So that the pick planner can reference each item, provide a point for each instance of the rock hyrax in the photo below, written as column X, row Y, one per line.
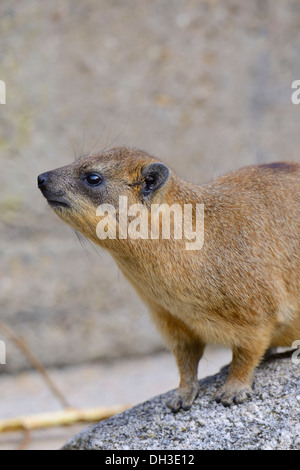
column 240, row 289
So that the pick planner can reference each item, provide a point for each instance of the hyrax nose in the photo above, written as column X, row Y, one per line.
column 42, row 179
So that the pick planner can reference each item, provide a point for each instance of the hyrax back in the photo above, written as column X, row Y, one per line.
column 241, row 288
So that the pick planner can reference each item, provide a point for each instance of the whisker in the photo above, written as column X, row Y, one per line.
column 73, row 147
column 84, row 239
column 95, row 141
column 107, row 139
column 81, row 240
column 82, row 145
column 116, row 138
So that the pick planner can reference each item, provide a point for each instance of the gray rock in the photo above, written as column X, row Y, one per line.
column 270, row 420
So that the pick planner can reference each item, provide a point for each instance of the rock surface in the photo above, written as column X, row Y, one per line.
column 270, row 420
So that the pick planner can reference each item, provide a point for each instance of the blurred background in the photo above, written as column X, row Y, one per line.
column 205, row 85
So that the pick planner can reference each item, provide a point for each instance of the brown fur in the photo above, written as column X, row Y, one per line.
column 242, row 289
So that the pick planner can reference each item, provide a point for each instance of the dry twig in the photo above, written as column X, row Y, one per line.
column 59, row 418
column 35, row 363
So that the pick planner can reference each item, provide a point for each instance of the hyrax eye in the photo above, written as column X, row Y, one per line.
column 93, row 179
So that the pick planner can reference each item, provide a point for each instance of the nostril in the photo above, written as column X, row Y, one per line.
column 42, row 179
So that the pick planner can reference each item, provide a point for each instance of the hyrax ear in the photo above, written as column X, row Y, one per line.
column 154, row 175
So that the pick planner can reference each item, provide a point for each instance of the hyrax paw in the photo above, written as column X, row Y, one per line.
column 229, row 395
column 183, row 399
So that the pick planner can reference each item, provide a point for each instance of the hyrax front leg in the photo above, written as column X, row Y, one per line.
column 187, row 349
column 244, row 360
column 187, row 354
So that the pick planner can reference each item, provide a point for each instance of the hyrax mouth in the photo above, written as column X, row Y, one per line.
column 54, row 198
column 57, row 203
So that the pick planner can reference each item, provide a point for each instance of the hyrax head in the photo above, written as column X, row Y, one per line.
column 75, row 191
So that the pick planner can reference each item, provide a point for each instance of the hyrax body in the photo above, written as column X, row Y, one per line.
column 241, row 289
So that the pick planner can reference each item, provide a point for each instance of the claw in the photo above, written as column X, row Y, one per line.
column 227, row 396
column 183, row 398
